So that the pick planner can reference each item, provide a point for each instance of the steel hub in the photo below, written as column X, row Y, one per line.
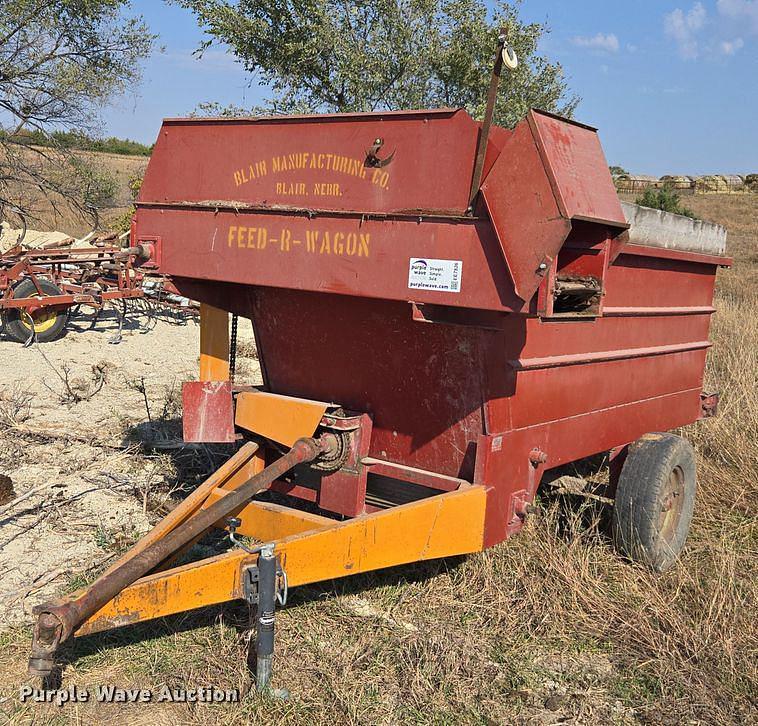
column 673, row 504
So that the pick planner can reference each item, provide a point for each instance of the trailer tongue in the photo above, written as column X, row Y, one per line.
column 434, row 358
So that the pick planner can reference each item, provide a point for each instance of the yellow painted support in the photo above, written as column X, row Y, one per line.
column 210, row 582
column 214, row 344
column 284, row 419
column 266, row 522
column 440, row 526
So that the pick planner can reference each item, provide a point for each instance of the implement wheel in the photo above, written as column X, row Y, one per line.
column 49, row 322
column 655, row 499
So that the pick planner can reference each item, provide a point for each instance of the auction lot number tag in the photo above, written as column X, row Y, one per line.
column 441, row 275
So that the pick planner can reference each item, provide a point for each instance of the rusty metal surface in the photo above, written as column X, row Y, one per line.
column 89, row 276
column 709, row 404
column 672, row 506
column 85, row 277
column 208, row 412
column 484, row 134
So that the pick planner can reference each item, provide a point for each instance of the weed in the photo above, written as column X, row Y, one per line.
column 665, row 199
column 15, row 406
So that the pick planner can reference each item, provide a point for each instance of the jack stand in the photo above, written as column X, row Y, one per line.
column 267, row 575
column 264, row 641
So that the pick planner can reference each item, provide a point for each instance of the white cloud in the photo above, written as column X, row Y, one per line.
column 683, row 28
column 609, row 43
column 730, row 47
column 743, row 11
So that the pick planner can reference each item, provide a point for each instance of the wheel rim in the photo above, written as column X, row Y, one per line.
column 672, row 505
column 43, row 319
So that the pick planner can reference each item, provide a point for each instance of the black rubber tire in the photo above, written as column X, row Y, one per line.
column 14, row 323
column 655, row 499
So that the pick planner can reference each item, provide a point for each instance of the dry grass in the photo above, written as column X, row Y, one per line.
column 550, row 627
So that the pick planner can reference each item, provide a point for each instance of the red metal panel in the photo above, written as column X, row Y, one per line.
column 642, row 281
column 614, row 360
column 317, row 162
column 503, row 463
column 608, row 335
column 578, row 169
column 427, row 384
column 551, row 171
column 524, row 212
column 208, row 412
column 344, row 491
column 683, row 255
column 329, row 290
column 345, row 255
column 420, row 382
column 546, row 394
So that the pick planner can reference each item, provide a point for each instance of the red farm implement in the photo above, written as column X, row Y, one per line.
column 446, row 313
column 38, row 288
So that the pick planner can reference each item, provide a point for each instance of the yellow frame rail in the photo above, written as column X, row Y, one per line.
column 311, row 548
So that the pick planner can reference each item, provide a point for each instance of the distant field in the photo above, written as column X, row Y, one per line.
column 122, row 169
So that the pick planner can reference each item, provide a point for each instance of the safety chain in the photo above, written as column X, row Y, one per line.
column 233, row 348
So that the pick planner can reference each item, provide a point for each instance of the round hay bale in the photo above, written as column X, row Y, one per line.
column 712, row 183
column 677, row 181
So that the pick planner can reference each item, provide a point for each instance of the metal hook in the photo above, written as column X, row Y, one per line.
column 372, row 160
column 233, row 523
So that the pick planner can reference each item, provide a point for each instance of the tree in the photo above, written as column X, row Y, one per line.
column 61, row 61
column 336, row 55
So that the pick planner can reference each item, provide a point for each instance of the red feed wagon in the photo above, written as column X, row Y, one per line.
column 431, row 349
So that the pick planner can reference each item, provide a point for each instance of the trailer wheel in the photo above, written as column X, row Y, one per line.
column 48, row 322
column 655, row 498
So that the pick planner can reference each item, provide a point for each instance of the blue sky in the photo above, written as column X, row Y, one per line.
column 672, row 85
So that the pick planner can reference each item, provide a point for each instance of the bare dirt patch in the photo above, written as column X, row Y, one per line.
column 72, row 413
